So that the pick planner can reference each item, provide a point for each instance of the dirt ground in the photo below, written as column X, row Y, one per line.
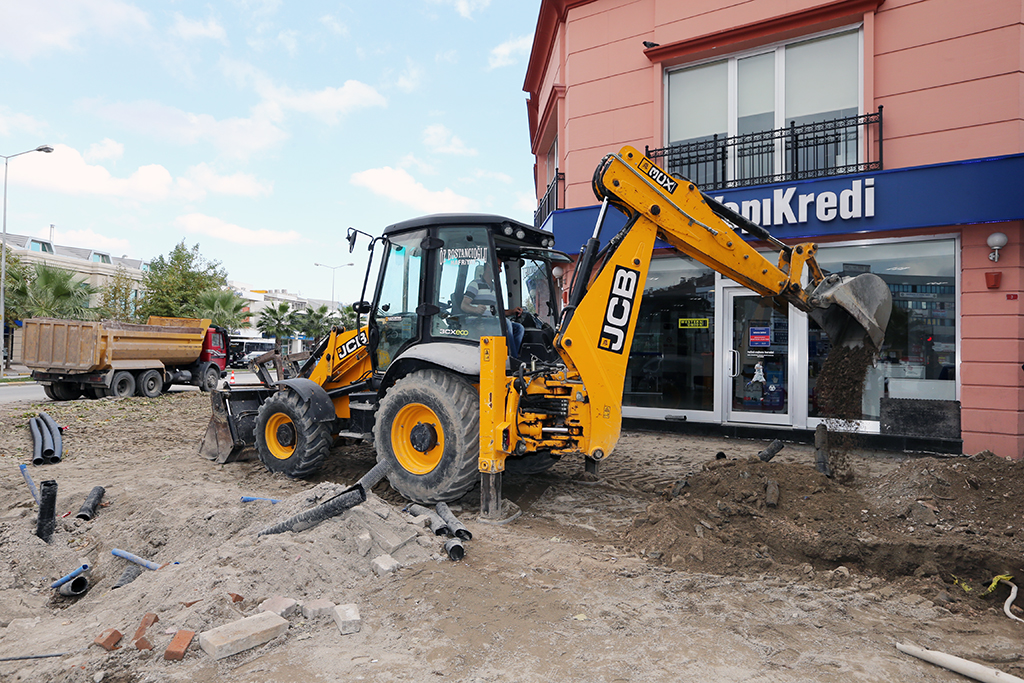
column 671, row 566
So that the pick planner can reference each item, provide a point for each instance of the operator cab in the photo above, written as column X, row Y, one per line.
column 437, row 284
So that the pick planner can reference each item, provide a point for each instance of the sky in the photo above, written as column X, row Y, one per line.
column 259, row 129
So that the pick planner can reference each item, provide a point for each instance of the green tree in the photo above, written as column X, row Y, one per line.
column 347, row 318
column 173, row 284
column 119, row 297
column 223, row 307
column 315, row 322
column 17, row 273
column 278, row 321
column 51, row 292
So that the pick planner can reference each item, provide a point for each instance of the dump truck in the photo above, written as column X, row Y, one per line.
column 430, row 381
column 72, row 358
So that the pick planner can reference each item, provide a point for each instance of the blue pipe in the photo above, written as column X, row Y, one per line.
column 249, row 499
column 135, row 558
column 64, row 579
column 31, row 484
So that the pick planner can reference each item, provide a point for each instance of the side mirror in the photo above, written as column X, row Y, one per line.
column 352, row 234
column 361, row 307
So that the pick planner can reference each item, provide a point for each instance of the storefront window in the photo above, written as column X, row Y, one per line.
column 671, row 364
column 918, row 357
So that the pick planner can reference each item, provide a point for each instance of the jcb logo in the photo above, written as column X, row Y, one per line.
column 352, row 345
column 657, row 175
column 620, row 307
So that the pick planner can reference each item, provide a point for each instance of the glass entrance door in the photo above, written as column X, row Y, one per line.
column 757, row 369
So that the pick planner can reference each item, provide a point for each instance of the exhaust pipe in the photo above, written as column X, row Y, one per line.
column 46, row 524
column 55, row 436
column 88, row 509
column 31, row 484
column 454, row 525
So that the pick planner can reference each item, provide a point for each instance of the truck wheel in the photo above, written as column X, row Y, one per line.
column 288, row 440
column 66, row 391
column 210, row 377
column 123, row 384
column 531, row 463
column 151, row 384
column 428, row 428
column 48, row 390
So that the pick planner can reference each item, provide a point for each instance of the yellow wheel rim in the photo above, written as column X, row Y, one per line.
column 276, row 448
column 409, row 456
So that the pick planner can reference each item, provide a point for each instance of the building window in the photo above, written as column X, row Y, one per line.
column 43, row 247
column 918, row 357
column 100, row 258
column 804, row 82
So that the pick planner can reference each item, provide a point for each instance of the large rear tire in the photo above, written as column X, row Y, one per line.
column 48, row 390
column 428, row 429
column 288, row 440
column 122, row 384
column 151, row 384
column 66, row 391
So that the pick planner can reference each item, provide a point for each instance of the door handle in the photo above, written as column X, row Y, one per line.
column 734, row 364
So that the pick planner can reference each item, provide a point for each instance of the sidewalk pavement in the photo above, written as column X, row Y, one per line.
column 18, row 371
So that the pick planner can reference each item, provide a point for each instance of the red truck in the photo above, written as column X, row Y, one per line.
column 71, row 358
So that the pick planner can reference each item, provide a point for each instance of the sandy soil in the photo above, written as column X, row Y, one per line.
column 635, row 577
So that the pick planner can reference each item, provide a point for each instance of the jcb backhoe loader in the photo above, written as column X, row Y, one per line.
column 429, row 379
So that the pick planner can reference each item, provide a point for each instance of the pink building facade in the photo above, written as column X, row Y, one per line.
column 889, row 132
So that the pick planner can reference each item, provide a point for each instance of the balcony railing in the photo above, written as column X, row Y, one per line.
column 553, row 199
column 798, row 152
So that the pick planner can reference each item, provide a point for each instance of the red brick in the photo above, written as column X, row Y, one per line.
column 109, row 639
column 139, row 639
column 235, row 597
column 179, row 643
column 142, row 643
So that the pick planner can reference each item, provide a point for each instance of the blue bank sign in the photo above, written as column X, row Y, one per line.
column 959, row 193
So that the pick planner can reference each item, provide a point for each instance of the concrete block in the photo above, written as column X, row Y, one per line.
column 318, row 608
column 377, row 506
column 420, row 520
column 280, row 605
column 363, row 543
column 242, row 635
column 347, row 619
column 384, row 565
column 387, row 537
column 179, row 643
column 109, row 639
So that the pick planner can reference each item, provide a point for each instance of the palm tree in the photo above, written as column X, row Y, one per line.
column 51, row 292
column 223, row 307
column 315, row 322
column 278, row 321
column 348, row 318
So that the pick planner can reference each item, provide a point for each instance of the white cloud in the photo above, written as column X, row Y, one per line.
column 466, row 8
column 526, row 202
column 87, row 239
column 334, row 26
column 441, row 140
column 10, row 122
column 508, row 52
column 197, row 223
column 449, row 56
column 30, row 28
column 200, row 179
column 65, row 170
column 412, row 161
column 396, row 184
column 189, row 29
column 290, row 40
column 481, row 174
column 103, row 150
column 411, row 77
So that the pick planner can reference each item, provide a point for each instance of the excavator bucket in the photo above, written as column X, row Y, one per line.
column 231, row 434
column 852, row 310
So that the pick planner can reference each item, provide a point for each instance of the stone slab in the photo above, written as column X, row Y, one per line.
column 321, row 607
column 384, row 565
column 242, row 635
column 280, row 605
column 347, row 618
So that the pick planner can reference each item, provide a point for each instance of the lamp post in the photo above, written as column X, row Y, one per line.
column 3, row 256
column 334, row 269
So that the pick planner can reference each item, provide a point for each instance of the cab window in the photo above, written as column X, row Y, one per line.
column 396, row 315
column 467, row 295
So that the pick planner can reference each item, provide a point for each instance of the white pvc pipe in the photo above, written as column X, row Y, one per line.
column 978, row 672
column 1009, row 600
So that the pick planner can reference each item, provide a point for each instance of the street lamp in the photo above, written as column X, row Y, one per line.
column 333, row 271
column 3, row 255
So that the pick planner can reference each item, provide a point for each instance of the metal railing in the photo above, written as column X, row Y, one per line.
column 798, row 152
column 553, row 199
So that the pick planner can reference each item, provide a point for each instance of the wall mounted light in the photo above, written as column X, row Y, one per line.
column 996, row 241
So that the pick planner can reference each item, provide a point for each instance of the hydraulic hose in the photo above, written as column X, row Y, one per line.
column 37, row 441
column 454, row 525
column 135, row 558
column 55, row 435
column 47, row 508
column 68, row 577
column 31, row 484
column 92, row 501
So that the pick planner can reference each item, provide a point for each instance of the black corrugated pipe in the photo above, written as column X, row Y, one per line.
column 74, row 587
column 130, row 573
column 55, row 433
column 456, row 527
column 47, row 438
column 47, row 508
column 453, row 546
column 37, row 441
column 437, row 524
column 88, row 509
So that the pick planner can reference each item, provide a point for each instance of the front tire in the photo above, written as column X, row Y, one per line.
column 288, row 440
column 210, row 377
column 151, row 383
column 428, row 429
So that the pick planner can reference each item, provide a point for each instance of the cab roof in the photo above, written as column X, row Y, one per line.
column 504, row 229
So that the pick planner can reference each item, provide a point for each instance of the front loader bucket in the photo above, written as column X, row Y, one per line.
column 231, row 434
column 852, row 309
